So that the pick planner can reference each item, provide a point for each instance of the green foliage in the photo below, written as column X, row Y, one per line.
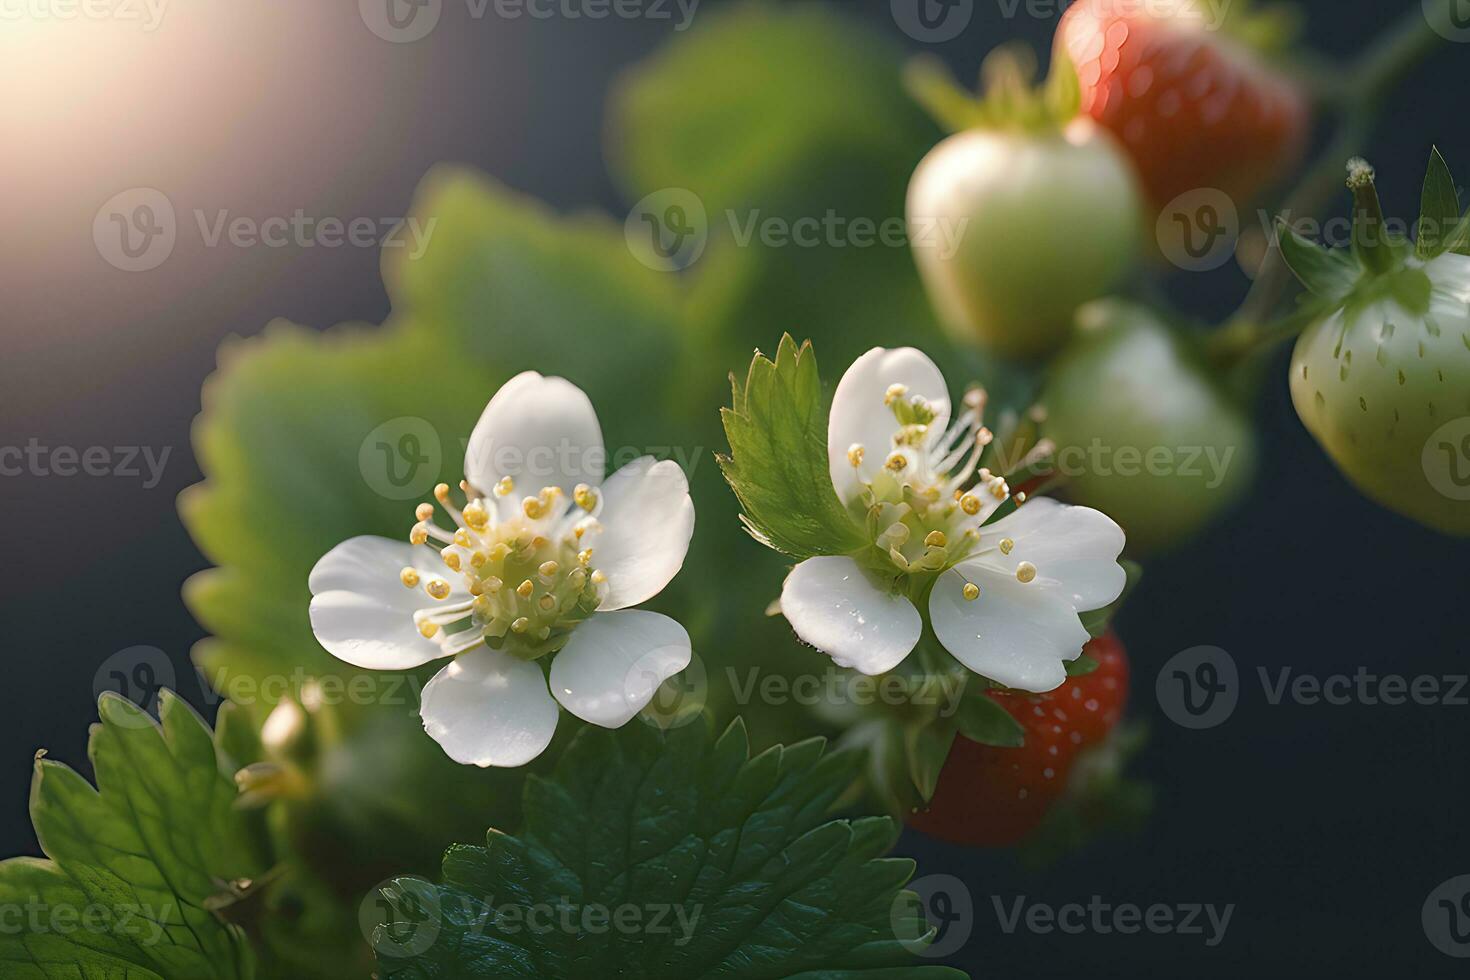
column 642, row 820
column 816, row 91
column 777, row 466
column 141, row 867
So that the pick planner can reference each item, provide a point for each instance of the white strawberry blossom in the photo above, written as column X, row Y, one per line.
column 542, row 565
column 1003, row 593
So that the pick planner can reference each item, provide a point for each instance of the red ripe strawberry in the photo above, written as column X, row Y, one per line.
column 1194, row 106
column 994, row 797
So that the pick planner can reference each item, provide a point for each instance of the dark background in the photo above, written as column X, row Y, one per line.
column 1326, row 826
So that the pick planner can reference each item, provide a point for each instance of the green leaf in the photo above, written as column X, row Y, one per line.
column 141, row 867
column 777, row 466
column 1326, row 272
column 981, row 720
column 734, row 855
column 1439, row 209
column 817, row 91
column 1097, row 621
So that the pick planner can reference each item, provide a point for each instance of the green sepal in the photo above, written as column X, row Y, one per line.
column 1439, row 208
column 927, row 748
column 1326, row 272
column 1009, row 99
column 981, row 719
column 1082, row 666
column 777, row 464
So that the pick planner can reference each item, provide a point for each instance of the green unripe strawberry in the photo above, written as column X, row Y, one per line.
column 1381, row 378
column 1142, row 431
column 1024, row 214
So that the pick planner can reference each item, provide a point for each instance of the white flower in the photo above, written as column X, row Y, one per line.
column 1003, row 597
column 543, row 564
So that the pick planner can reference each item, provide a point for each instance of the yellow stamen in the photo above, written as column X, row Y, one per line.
column 525, row 589
column 441, row 492
column 419, row 535
column 428, row 629
column 505, row 487
column 972, row 591
column 970, row 504
column 494, row 584
column 1006, row 544
column 548, row 570
column 1025, row 572
column 451, row 558
column 476, row 516
column 532, row 507
column 424, row 511
column 521, row 624
column 409, row 577
column 936, row 539
column 438, row 589
column 894, row 393
column 897, row 462
column 855, row 454
column 585, row 497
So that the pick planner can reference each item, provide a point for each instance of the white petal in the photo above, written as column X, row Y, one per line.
column 647, row 519
column 362, row 613
column 614, row 662
column 369, row 564
column 1014, row 633
column 834, row 606
column 1075, row 550
column 859, row 415
column 540, row 431
column 487, row 708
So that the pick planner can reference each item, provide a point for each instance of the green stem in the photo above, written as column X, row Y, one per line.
column 1369, row 244
column 1366, row 85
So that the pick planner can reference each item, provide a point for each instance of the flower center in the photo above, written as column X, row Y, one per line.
column 926, row 505
column 527, row 569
